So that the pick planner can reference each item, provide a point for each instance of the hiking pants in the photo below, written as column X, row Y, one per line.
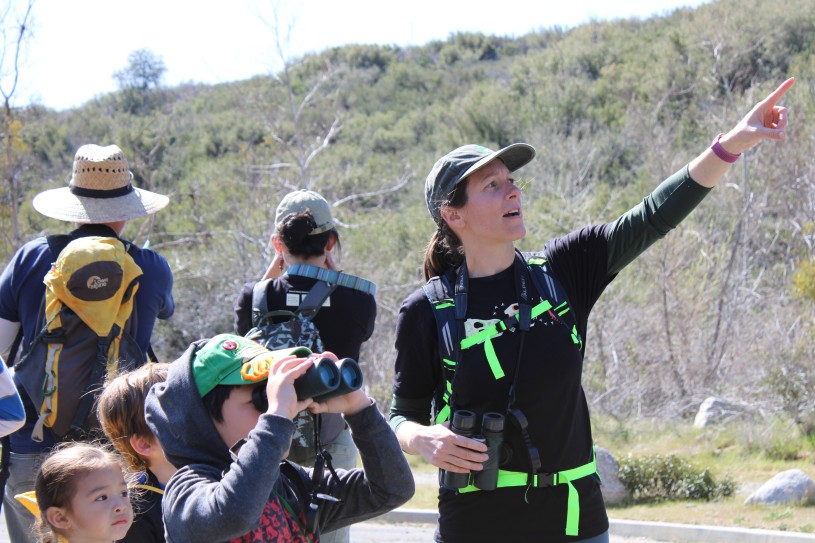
column 23, row 469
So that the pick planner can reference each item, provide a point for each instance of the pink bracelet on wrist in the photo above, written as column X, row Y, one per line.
column 720, row 151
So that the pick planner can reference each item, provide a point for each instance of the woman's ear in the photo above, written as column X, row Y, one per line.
column 58, row 517
column 277, row 243
column 452, row 217
column 332, row 241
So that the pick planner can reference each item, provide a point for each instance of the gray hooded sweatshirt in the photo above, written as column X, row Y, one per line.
column 213, row 498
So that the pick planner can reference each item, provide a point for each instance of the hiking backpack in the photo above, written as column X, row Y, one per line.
column 86, row 324
column 439, row 292
column 281, row 329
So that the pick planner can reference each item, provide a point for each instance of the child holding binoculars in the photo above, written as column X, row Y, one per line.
column 232, row 479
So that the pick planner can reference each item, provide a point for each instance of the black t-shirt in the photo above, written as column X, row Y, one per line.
column 148, row 526
column 549, row 393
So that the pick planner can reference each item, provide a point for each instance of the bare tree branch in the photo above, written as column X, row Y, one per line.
column 11, row 164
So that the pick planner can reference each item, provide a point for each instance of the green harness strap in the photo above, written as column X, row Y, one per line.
column 444, row 412
column 542, row 480
column 485, row 336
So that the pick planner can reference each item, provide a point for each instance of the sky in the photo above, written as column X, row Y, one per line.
column 76, row 45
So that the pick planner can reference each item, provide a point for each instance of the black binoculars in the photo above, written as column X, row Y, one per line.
column 463, row 423
column 324, row 380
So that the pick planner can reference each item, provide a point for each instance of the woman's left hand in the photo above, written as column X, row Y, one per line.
column 767, row 120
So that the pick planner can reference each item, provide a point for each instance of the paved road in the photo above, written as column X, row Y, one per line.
column 375, row 532
column 378, row 532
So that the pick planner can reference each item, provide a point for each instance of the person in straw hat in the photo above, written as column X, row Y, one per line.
column 100, row 198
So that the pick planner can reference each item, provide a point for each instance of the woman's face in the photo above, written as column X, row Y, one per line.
column 492, row 213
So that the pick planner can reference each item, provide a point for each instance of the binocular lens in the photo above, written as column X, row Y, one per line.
column 350, row 375
column 321, row 378
column 327, row 373
column 349, row 379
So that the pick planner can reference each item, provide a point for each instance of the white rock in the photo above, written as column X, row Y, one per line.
column 716, row 410
column 614, row 492
column 791, row 486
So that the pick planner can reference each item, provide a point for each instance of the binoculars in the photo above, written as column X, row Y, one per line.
column 463, row 423
column 324, row 380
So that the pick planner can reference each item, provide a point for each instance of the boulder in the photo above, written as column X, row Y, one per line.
column 788, row 487
column 614, row 493
column 715, row 411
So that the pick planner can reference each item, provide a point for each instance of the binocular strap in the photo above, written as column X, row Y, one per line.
column 318, row 492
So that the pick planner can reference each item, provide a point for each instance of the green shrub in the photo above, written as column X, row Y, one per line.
column 659, row 478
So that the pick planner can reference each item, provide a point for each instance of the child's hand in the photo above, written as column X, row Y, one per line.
column 280, row 386
column 347, row 404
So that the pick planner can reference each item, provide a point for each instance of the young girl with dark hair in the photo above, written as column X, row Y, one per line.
column 82, row 496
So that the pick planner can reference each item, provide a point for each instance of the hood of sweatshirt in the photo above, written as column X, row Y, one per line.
column 175, row 413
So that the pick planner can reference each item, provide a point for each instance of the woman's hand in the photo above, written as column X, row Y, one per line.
column 276, row 267
column 442, row 448
column 767, row 120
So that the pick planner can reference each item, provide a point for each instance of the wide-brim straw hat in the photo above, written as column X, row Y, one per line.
column 100, row 190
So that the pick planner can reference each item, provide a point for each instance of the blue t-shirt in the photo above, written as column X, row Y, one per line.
column 22, row 291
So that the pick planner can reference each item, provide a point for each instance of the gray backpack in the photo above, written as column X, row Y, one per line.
column 281, row 329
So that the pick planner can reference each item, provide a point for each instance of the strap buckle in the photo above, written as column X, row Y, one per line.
column 544, row 480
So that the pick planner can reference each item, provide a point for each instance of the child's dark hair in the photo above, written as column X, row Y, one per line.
column 295, row 231
column 214, row 401
column 120, row 409
column 58, row 477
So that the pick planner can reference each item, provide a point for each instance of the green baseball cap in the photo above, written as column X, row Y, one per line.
column 456, row 165
column 306, row 200
column 227, row 359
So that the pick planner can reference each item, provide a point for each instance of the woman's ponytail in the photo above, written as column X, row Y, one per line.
column 444, row 251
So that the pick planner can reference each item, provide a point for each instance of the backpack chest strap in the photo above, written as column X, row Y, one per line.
column 485, row 336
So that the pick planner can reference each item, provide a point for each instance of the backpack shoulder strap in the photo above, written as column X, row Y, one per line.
column 438, row 291
column 546, row 283
column 302, row 486
column 260, row 300
column 550, row 288
column 315, row 299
